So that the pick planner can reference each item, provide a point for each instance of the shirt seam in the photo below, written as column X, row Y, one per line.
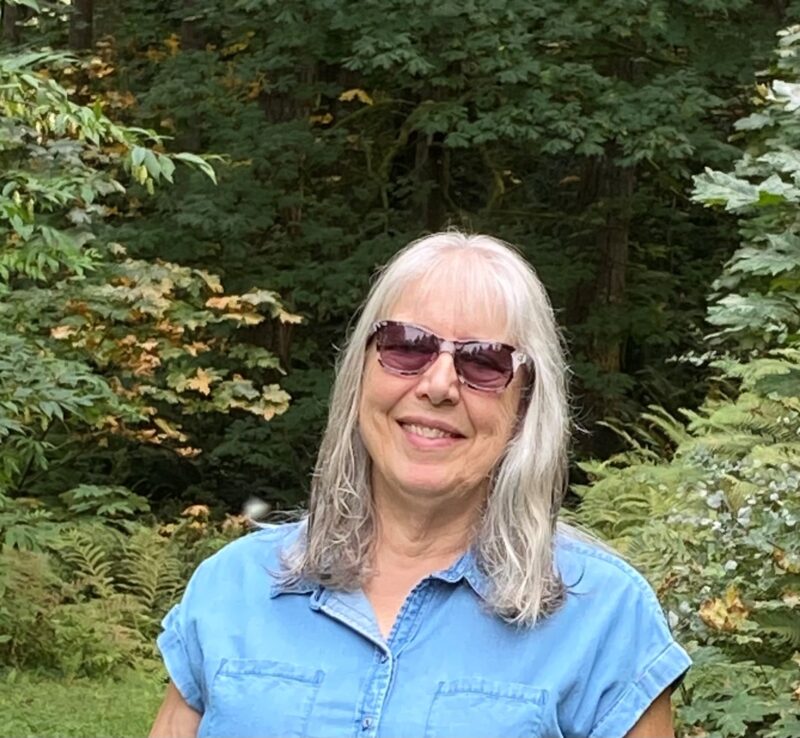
column 636, row 685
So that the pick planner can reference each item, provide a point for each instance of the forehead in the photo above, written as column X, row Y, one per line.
column 454, row 304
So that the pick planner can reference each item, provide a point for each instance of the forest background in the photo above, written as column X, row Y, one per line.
column 194, row 196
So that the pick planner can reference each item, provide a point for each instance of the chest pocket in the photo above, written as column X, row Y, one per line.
column 254, row 698
column 479, row 708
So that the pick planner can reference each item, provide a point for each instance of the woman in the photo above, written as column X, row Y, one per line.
column 429, row 591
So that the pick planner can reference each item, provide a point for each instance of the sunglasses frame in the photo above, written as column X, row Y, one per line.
column 518, row 358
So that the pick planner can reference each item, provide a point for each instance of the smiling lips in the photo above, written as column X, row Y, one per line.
column 426, row 435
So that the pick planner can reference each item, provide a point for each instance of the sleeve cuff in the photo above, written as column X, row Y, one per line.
column 666, row 669
column 176, row 660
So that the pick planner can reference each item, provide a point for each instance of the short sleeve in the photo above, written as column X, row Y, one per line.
column 636, row 656
column 630, row 701
column 180, row 648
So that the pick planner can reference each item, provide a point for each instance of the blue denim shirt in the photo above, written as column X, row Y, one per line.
column 261, row 659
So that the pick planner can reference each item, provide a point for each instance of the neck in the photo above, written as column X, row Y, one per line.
column 420, row 537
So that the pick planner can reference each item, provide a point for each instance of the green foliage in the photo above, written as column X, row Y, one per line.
column 710, row 507
column 756, row 300
column 352, row 128
column 88, row 599
column 712, row 518
column 99, row 350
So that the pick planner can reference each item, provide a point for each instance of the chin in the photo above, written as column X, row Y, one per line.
column 430, row 488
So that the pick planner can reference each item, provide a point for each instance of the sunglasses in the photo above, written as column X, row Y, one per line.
column 407, row 350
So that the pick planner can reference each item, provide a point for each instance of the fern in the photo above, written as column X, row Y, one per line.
column 88, row 555
column 150, row 571
column 783, row 623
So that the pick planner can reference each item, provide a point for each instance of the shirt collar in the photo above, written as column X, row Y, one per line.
column 465, row 568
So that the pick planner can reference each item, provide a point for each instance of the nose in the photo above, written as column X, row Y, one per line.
column 439, row 382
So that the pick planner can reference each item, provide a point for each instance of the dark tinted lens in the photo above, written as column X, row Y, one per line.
column 405, row 348
column 485, row 365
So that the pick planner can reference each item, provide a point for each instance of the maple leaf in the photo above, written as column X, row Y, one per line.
column 223, row 303
column 726, row 613
column 201, row 382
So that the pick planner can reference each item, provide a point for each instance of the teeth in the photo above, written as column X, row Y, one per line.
column 426, row 432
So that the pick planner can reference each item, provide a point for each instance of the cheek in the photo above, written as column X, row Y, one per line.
column 379, row 395
column 498, row 420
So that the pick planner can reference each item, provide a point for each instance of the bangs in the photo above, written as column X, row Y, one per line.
column 473, row 276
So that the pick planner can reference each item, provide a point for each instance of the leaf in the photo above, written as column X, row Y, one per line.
column 740, row 710
column 212, row 281
column 32, row 4
column 201, row 382
column 788, row 93
column 152, row 164
column 718, row 188
column 169, row 429
column 61, row 332
column 199, row 163
column 774, row 189
column 138, row 154
column 753, row 122
column 356, row 94
column 223, row 303
column 285, row 317
column 782, row 385
column 727, row 613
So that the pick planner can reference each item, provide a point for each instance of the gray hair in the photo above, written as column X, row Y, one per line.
column 514, row 541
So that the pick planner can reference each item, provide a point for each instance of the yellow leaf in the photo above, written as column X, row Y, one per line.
column 188, row 452
column 196, row 511
column 234, row 48
column 223, row 303
column 154, row 55
column 246, row 318
column 173, row 44
column 196, row 347
column 323, row 120
column 211, row 280
column 788, row 562
column 169, row 430
column 356, row 94
column 285, row 317
column 61, row 332
column 791, row 599
column 234, row 523
column 201, row 382
column 727, row 613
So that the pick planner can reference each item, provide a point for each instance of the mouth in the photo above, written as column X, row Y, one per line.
column 426, row 430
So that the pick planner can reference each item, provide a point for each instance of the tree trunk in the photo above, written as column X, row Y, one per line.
column 431, row 175
column 192, row 36
column 615, row 192
column 81, row 25
column 189, row 137
column 11, row 16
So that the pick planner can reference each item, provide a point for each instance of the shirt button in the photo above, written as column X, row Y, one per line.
column 384, row 657
column 366, row 723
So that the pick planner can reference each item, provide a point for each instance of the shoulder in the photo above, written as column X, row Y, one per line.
column 599, row 581
column 258, row 551
column 585, row 563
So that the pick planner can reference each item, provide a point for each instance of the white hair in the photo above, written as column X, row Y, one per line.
column 514, row 540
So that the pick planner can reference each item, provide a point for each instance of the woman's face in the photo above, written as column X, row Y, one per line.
column 430, row 436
